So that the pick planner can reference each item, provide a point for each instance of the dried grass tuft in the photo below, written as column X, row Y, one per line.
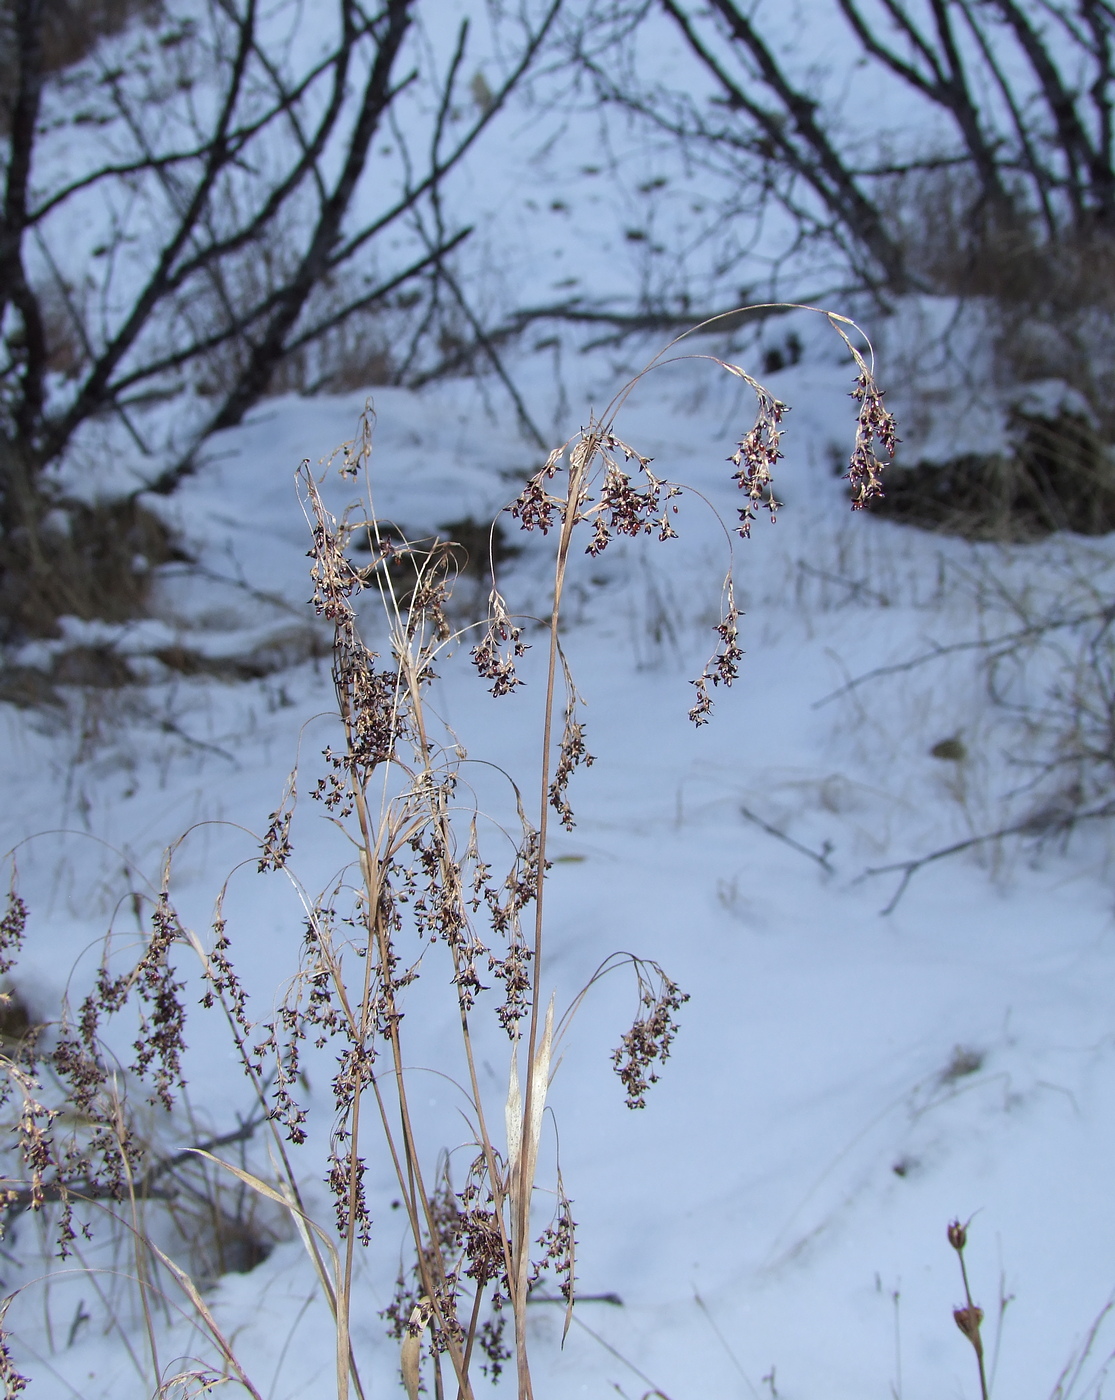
column 84, row 561
column 1060, row 476
column 71, row 30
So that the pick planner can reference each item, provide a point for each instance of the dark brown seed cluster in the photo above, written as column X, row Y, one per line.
column 874, row 424
column 624, row 509
column 536, row 508
column 87, row 1147
column 162, row 1024
column 648, row 1041
column 222, row 982
column 723, row 666
column 572, row 754
column 275, row 848
column 755, row 458
column 495, row 655
column 558, row 1243
column 12, row 928
column 463, row 1239
column 13, row 1381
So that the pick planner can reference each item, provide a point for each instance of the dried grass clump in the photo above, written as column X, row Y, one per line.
column 356, row 355
column 71, row 29
column 960, row 243
column 422, row 915
column 212, row 1221
column 84, row 561
column 1060, row 476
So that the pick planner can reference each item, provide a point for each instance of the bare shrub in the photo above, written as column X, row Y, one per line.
column 358, row 354
column 1008, row 105
column 1042, row 648
column 220, row 252
column 1048, row 294
column 996, row 186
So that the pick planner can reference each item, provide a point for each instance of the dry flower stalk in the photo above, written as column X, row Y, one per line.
column 968, row 1318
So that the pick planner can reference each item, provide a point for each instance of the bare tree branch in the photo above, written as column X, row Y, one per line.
column 1074, row 142
column 224, row 234
column 437, row 174
column 237, row 140
column 15, row 288
column 826, row 171
column 1041, row 177
column 267, row 351
column 92, row 392
column 1099, row 18
column 1039, row 824
column 1035, row 147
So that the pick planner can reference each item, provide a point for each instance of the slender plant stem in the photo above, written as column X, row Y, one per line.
column 466, row 1036
column 578, row 460
column 973, row 1311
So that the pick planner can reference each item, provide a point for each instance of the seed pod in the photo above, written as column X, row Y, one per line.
column 968, row 1320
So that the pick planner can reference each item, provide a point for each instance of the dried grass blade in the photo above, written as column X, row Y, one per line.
column 249, row 1179
column 513, row 1114
column 410, row 1353
column 540, row 1083
column 304, row 1226
column 189, row 1288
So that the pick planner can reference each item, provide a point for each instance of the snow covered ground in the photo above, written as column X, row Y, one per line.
column 845, row 1082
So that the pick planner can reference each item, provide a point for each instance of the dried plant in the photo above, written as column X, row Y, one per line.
column 419, row 892
column 969, row 1317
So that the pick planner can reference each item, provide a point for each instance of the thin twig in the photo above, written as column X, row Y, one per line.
column 821, row 856
column 1041, row 823
column 1008, row 639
